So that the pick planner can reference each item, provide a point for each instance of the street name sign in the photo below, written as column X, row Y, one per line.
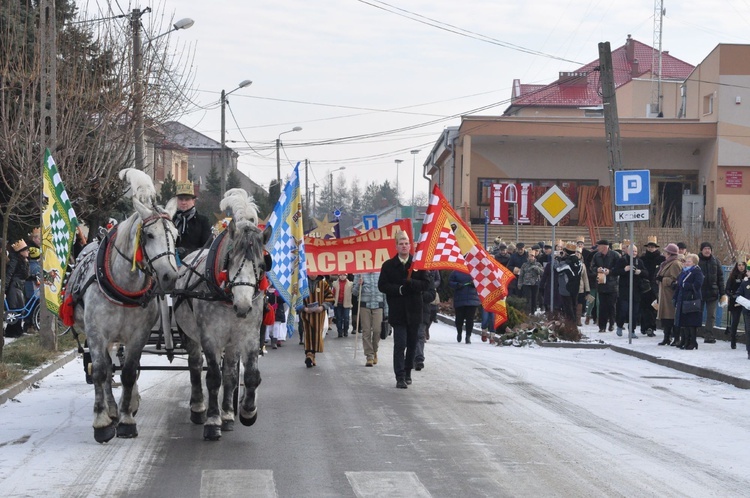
column 634, row 215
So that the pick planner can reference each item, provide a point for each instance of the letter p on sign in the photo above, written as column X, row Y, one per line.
column 633, row 188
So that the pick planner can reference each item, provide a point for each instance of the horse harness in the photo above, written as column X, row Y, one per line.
column 216, row 277
column 103, row 276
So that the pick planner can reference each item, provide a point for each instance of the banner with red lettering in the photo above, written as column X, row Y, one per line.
column 361, row 253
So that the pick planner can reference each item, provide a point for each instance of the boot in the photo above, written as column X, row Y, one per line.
column 484, row 335
column 458, row 336
column 665, row 342
column 733, row 342
column 588, row 320
column 468, row 337
column 579, row 310
column 681, row 341
column 273, row 343
column 692, row 342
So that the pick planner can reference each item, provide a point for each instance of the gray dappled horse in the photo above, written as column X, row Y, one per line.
column 113, row 300
column 219, row 307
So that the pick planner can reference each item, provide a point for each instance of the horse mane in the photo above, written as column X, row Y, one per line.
column 241, row 204
column 141, row 186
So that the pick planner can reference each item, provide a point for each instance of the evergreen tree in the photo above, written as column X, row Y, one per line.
column 168, row 189
column 213, row 181
column 355, row 206
column 233, row 180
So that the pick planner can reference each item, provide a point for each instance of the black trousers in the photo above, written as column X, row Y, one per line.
column 465, row 314
column 404, row 348
column 606, row 309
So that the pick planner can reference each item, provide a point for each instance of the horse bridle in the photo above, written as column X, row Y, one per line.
column 234, row 282
column 171, row 242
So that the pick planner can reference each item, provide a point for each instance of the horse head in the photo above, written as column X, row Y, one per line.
column 243, row 251
column 155, row 235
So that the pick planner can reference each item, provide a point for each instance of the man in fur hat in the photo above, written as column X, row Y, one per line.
column 193, row 228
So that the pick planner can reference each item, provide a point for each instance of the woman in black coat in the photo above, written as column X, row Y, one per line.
column 688, row 289
column 734, row 281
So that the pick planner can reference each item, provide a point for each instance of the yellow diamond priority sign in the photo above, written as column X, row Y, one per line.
column 554, row 205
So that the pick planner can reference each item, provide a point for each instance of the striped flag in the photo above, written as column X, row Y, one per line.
column 448, row 243
column 59, row 224
column 287, row 249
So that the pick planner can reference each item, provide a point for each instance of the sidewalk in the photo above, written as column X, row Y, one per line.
column 712, row 361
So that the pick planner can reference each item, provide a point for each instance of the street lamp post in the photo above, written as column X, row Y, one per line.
column 398, row 163
column 413, row 180
column 330, row 176
column 278, row 157
column 135, row 23
column 223, row 152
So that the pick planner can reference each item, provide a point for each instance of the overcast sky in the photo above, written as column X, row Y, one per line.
column 363, row 68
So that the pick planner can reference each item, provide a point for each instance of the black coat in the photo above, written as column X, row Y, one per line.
column 197, row 233
column 404, row 296
column 605, row 261
column 688, row 288
column 624, row 277
column 713, row 282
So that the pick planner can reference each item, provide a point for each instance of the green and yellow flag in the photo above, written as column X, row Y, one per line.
column 59, row 224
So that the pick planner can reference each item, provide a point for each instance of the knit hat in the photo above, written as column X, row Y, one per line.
column 681, row 245
column 706, row 244
column 502, row 246
column 520, row 245
column 671, row 248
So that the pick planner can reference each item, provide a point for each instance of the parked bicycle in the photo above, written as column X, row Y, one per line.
column 29, row 313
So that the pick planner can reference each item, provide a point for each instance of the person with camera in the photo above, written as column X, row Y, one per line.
column 603, row 264
column 641, row 284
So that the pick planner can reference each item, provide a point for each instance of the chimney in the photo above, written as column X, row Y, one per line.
column 634, row 69
column 629, row 49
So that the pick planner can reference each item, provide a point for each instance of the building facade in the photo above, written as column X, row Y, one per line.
column 687, row 127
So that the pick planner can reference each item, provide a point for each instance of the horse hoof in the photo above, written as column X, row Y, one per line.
column 198, row 418
column 105, row 434
column 227, row 425
column 248, row 421
column 127, row 431
column 211, row 432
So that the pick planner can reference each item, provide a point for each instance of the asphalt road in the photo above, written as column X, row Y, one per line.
column 478, row 421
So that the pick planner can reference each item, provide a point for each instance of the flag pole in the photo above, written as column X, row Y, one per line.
column 359, row 311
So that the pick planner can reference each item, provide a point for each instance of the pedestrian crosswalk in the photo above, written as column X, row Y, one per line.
column 254, row 483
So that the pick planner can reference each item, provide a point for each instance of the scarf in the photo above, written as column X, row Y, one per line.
column 181, row 219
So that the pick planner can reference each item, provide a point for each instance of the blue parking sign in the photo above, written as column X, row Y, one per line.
column 633, row 187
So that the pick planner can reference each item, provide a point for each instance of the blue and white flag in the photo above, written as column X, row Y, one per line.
column 287, row 249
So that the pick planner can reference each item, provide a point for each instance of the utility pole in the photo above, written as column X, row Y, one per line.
column 307, row 187
column 223, row 153
column 48, row 106
column 314, row 210
column 611, row 120
column 135, row 23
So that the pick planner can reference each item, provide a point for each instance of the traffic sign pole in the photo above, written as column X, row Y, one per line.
column 631, row 326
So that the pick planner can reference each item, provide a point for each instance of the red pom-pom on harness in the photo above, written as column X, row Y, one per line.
column 264, row 284
column 67, row 311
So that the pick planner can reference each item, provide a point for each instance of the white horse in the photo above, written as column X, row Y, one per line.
column 112, row 287
column 219, row 307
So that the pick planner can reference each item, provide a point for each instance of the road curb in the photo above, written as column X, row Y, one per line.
column 24, row 384
column 675, row 365
column 683, row 367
